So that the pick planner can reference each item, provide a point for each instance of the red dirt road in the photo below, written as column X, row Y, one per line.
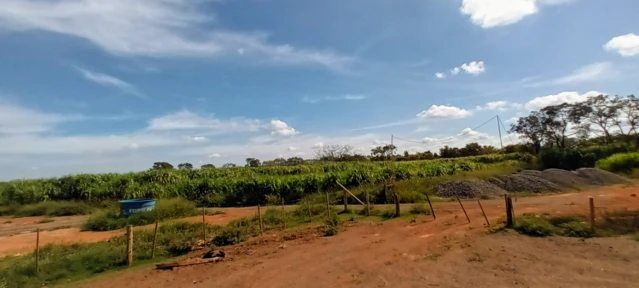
column 24, row 239
column 447, row 252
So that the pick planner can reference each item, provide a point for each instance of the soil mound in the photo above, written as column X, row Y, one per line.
column 565, row 179
column 468, row 189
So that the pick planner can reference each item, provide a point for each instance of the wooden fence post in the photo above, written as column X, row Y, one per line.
column 259, row 216
column 368, row 204
column 483, row 213
column 509, row 211
column 592, row 213
column 129, row 245
column 462, row 206
column 396, row 198
column 37, row 251
column 310, row 215
column 328, row 205
column 431, row 207
column 204, row 224
column 155, row 239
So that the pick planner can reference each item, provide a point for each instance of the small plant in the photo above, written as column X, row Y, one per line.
column 388, row 214
column 420, row 208
column 331, row 225
column 576, row 229
column 45, row 220
column 534, row 227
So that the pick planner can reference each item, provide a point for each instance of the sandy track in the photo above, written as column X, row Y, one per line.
column 447, row 252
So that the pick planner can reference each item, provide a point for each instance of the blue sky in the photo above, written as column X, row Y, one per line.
column 113, row 86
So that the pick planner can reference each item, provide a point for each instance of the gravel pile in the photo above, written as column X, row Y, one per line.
column 524, row 183
column 468, row 189
column 531, row 172
column 564, row 178
column 600, row 177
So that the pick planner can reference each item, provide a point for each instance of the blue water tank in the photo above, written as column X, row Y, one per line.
column 132, row 206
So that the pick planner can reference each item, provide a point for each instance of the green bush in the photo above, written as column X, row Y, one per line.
column 532, row 226
column 164, row 209
column 236, row 232
column 420, row 208
column 47, row 208
column 331, row 225
column 575, row 158
column 624, row 162
column 576, row 229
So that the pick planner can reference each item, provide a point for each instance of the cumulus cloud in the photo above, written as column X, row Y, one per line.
column 215, row 155
column 474, row 68
column 291, row 148
column 556, row 99
column 443, row 112
column 496, row 105
column 167, row 28
column 626, row 45
column 494, row 13
column 440, row 75
column 280, row 128
column 455, row 71
column 198, row 138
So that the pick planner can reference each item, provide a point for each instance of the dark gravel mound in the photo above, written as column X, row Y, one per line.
column 525, row 183
column 468, row 189
column 601, row 177
column 531, row 172
column 565, row 179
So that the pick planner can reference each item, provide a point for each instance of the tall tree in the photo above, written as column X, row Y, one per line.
column 185, row 166
column 629, row 107
column 229, row 165
column 207, row 166
column 161, row 165
column 332, row 152
column 253, row 162
column 555, row 121
column 530, row 128
column 598, row 115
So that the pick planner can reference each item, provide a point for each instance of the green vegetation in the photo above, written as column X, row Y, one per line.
column 623, row 222
column 47, row 208
column 164, row 209
column 239, row 186
column 45, row 220
column 331, row 225
column 64, row 263
column 624, row 162
column 420, row 208
column 575, row 158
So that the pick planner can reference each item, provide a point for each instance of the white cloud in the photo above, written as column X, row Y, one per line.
column 291, row 148
column 345, row 97
column 592, row 72
column 318, row 145
column 474, row 68
column 455, row 71
column 443, row 112
column 440, row 75
column 512, row 120
column 107, row 80
column 18, row 120
column 499, row 106
column 163, row 28
column 198, row 138
column 299, row 154
column 280, row 128
column 626, row 45
column 186, row 120
column 556, row 99
column 494, row 13
column 215, row 155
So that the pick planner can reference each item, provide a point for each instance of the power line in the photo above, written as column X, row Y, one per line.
column 443, row 139
column 507, row 134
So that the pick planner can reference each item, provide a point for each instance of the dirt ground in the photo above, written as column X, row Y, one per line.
column 18, row 237
column 446, row 252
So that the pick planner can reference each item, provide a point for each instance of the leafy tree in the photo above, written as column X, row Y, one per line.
column 294, row 161
column 530, row 128
column 598, row 115
column 630, row 111
column 207, row 166
column 449, row 152
column 383, row 152
column 229, row 165
column 161, row 165
column 185, row 166
column 333, row 152
column 253, row 162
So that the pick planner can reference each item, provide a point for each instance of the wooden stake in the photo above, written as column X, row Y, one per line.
column 462, row 206
column 509, row 211
column 431, row 207
column 129, row 245
column 37, row 251
column 483, row 213
column 310, row 215
column 592, row 213
column 204, row 224
column 259, row 216
column 396, row 198
column 155, row 239
column 349, row 192
column 368, row 204
column 328, row 205
column 512, row 208
column 283, row 214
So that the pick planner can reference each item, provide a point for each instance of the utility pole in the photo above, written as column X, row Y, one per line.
column 499, row 129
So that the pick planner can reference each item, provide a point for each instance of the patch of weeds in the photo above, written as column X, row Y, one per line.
column 433, row 257
column 475, row 258
column 45, row 220
column 420, row 208
column 53, row 209
column 331, row 225
column 576, row 229
column 413, row 219
column 59, row 228
column 532, row 226
column 388, row 214
column 216, row 212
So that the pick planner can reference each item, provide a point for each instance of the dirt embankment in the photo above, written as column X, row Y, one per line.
column 447, row 252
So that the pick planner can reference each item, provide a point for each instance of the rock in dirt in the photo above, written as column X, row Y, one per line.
column 525, row 183
column 468, row 189
column 601, row 177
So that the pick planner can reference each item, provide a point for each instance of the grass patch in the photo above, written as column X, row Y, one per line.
column 622, row 222
column 331, row 225
column 164, row 209
column 45, row 220
column 420, row 209
column 47, row 208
